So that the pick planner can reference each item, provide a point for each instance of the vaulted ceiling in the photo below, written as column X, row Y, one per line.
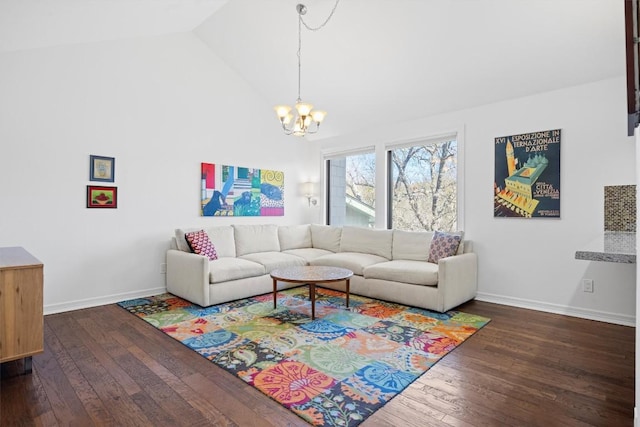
column 375, row 61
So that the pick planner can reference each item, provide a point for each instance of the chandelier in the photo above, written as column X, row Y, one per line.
column 302, row 119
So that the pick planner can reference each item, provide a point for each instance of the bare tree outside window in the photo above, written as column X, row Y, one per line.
column 423, row 189
column 361, row 175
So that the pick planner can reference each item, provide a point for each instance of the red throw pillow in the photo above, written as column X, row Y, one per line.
column 200, row 244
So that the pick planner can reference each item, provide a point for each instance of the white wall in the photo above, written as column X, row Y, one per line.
column 637, row 325
column 160, row 106
column 531, row 262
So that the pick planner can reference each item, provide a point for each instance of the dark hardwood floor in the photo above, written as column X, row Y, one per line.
column 103, row 366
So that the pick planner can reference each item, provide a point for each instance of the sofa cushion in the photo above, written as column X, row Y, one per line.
column 256, row 238
column 220, row 236
column 225, row 269
column 367, row 241
column 326, row 237
column 294, row 236
column 354, row 261
column 308, row 253
column 411, row 245
column 406, row 271
column 200, row 244
column 273, row 260
column 444, row 245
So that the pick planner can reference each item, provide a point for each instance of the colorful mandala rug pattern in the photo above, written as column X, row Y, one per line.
column 334, row 371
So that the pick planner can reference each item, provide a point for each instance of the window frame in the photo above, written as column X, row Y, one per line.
column 382, row 179
column 335, row 155
column 453, row 136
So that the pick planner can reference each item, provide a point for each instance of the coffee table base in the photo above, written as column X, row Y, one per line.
column 312, row 296
column 311, row 276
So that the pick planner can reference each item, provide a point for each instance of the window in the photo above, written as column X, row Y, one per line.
column 351, row 189
column 422, row 186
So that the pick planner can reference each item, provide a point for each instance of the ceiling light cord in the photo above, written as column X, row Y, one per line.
column 325, row 21
column 301, row 11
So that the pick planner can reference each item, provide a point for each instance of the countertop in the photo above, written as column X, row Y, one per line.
column 612, row 246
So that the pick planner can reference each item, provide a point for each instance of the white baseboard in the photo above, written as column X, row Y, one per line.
column 602, row 316
column 94, row 302
column 585, row 313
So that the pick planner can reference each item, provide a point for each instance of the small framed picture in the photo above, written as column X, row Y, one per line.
column 102, row 197
column 102, row 168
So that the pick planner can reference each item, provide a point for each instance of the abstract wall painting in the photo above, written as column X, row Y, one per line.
column 527, row 175
column 239, row 191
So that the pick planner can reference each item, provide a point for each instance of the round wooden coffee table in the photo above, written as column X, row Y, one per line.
column 311, row 275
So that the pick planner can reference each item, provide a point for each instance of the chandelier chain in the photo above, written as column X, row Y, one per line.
column 299, row 50
column 324, row 23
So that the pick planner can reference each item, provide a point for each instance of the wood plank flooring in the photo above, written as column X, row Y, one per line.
column 103, row 366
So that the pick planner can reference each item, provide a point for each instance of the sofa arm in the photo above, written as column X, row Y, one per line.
column 457, row 280
column 188, row 276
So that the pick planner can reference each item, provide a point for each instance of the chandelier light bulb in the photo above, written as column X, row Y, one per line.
column 282, row 111
column 303, row 109
column 318, row 115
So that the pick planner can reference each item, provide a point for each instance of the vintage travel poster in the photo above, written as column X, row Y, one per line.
column 527, row 175
column 238, row 191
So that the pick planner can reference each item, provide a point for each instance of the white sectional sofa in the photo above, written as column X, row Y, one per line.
column 387, row 264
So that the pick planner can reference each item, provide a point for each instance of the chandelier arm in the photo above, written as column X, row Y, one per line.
column 287, row 131
column 324, row 23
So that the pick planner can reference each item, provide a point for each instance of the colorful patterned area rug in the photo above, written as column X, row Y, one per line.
column 336, row 370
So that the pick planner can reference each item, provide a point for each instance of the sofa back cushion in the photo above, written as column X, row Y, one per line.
column 326, row 237
column 367, row 241
column 411, row 245
column 256, row 238
column 220, row 236
column 294, row 236
column 181, row 241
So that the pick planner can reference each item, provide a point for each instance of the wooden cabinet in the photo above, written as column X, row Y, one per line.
column 21, row 317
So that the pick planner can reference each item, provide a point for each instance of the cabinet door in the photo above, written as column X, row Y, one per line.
column 21, row 321
column 632, row 31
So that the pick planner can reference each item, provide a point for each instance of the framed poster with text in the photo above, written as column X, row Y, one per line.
column 527, row 175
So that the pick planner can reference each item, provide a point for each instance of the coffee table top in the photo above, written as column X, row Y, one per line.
column 311, row 273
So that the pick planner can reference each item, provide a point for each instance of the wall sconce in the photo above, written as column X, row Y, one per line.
column 309, row 190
